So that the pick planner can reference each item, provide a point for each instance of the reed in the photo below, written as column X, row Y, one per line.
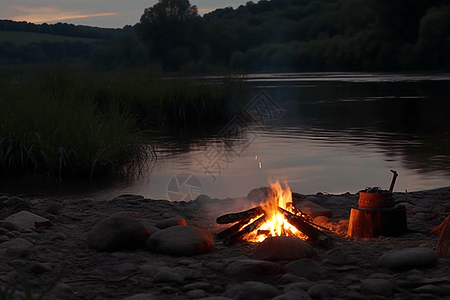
column 65, row 123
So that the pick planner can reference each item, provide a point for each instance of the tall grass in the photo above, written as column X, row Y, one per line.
column 85, row 124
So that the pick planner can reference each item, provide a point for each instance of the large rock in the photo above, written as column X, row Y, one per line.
column 283, row 248
column 411, row 258
column 253, row 269
column 121, row 230
column 27, row 220
column 181, row 240
column 312, row 209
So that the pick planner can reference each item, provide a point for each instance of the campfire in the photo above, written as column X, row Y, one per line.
column 277, row 216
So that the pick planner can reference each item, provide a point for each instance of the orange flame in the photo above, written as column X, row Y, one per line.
column 276, row 224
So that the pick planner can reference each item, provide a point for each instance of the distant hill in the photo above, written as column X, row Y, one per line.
column 20, row 38
column 64, row 29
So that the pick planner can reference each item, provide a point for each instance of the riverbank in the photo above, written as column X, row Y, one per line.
column 60, row 253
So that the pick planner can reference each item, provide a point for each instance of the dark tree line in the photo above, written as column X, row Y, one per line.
column 276, row 35
column 298, row 35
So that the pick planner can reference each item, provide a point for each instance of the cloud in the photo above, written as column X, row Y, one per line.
column 49, row 14
column 205, row 10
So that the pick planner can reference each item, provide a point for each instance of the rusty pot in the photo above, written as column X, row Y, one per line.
column 375, row 200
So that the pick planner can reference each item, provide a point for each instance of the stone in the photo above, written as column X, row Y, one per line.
column 251, row 290
column 253, row 269
column 181, row 240
column 258, row 195
column 120, row 230
column 187, row 274
column 126, row 268
column 290, row 278
column 410, row 258
column 293, row 295
column 312, row 209
column 202, row 200
column 283, row 248
column 302, row 286
column 41, row 268
column 4, row 239
column 198, row 286
column 61, row 289
column 10, row 226
column 3, row 230
column 150, row 270
column 141, row 297
column 171, row 222
column 216, row 298
column 216, row 266
column 26, row 220
column 17, row 248
column 165, row 276
column 428, row 289
column 380, row 287
column 322, row 291
column 306, row 268
column 337, row 256
column 196, row 294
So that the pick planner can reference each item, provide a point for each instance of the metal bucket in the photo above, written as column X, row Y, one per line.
column 375, row 200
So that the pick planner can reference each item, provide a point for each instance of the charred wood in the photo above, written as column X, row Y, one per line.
column 235, row 217
column 315, row 235
column 233, row 229
column 232, row 239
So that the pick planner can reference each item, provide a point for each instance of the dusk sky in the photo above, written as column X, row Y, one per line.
column 101, row 13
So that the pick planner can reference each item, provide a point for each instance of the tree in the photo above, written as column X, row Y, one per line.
column 169, row 25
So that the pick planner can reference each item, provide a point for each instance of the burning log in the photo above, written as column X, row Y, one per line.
column 236, row 237
column 235, row 217
column 315, row 235
column 233, row 229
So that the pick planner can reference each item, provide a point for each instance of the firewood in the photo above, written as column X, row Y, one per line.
column 232, row 239
column 233, row 229
column 314, row 235
column 235, row 217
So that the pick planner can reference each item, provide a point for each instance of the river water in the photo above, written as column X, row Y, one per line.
column 320, row 132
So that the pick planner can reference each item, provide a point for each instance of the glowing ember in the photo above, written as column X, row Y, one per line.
column 276, row 224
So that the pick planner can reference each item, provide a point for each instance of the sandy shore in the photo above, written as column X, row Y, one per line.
column 84, row 273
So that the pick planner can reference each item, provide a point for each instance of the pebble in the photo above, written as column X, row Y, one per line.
column 165, row 276
column 251, row 290
column 174, row 221
column 380, row 287
column 293, row 295
column 196, row 294
column 410, row 258
column 141, row 297
column 322, row 291
column 181, row 241
column 253, row 269
column 307, row 268
column 40, row 268
column 120, row 230
column 283, row 248
column 25, row 220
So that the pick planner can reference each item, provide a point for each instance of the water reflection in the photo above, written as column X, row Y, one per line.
column 341, row 133
column 338, row 132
